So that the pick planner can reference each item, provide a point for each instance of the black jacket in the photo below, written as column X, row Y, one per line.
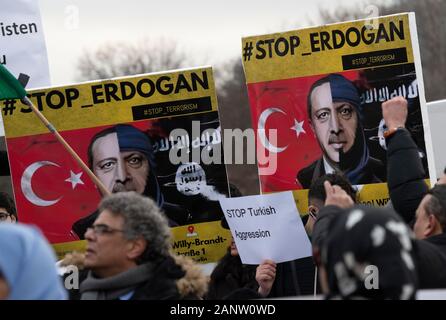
column 431, row 262
column 163, row 286
column 294, row 278
column 229, row 276
column 430, row 254
column 405, row 175
column 439, row 241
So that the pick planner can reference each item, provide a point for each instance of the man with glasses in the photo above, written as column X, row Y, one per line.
column 128, row 255
column 8, row 212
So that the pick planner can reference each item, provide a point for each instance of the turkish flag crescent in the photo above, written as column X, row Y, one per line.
column 50, row 188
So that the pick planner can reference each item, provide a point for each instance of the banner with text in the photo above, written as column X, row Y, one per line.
column 23, row 48
column 123, row 129
column 266, row 227
column 322, row 88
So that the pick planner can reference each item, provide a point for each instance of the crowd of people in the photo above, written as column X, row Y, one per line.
column 129, row 257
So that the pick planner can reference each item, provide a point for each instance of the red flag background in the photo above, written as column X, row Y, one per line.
column 48, row 182
column 290, row 96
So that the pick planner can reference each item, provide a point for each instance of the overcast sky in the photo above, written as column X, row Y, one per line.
column 209, row 30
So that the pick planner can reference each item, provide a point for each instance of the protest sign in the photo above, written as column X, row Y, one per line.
column 322, row 88
column 266, row 227
column 23, row 48
column 103, row 120
column 437, row 120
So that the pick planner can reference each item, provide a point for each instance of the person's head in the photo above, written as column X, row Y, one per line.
column 317, row 195
column 332, row 107
column 8, row 212
column 368, row 253
column 119, row 158
column 122, row 158
column 431, row 213
column 27, row 265
column 129, row 230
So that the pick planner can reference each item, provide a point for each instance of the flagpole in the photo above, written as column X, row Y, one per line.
column 73, row 153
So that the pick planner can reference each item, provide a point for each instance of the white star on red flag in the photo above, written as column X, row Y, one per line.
column 298, row 127
column 75, row 179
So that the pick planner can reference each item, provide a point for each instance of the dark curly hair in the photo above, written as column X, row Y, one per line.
column 8, row 203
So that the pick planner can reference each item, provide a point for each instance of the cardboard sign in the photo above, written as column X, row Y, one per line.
column 266, row 227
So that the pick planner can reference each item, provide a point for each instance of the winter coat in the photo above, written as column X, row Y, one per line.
column 230, row 275
column 429, row 254
column 174, row 278
column 294, row 278
column 405, row 175
column 431, row 262
column 369, row 246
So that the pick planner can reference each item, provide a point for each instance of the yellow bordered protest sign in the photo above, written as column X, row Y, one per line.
column 137, row 114
column 320, row 89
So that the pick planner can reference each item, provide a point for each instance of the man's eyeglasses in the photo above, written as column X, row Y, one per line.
column 4, row 216
column 100, row 229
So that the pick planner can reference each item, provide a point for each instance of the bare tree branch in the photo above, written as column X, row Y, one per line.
column 122, row 59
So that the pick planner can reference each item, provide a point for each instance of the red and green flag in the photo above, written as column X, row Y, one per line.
column 10, row 87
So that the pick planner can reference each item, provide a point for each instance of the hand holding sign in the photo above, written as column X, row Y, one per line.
column 265, row 276
column 266, row 227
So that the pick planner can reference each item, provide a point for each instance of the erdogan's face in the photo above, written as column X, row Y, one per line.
column 334, row 123
column 119, row 171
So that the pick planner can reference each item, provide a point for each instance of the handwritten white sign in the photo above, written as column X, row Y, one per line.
column 266, row 227
column 23, row 48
